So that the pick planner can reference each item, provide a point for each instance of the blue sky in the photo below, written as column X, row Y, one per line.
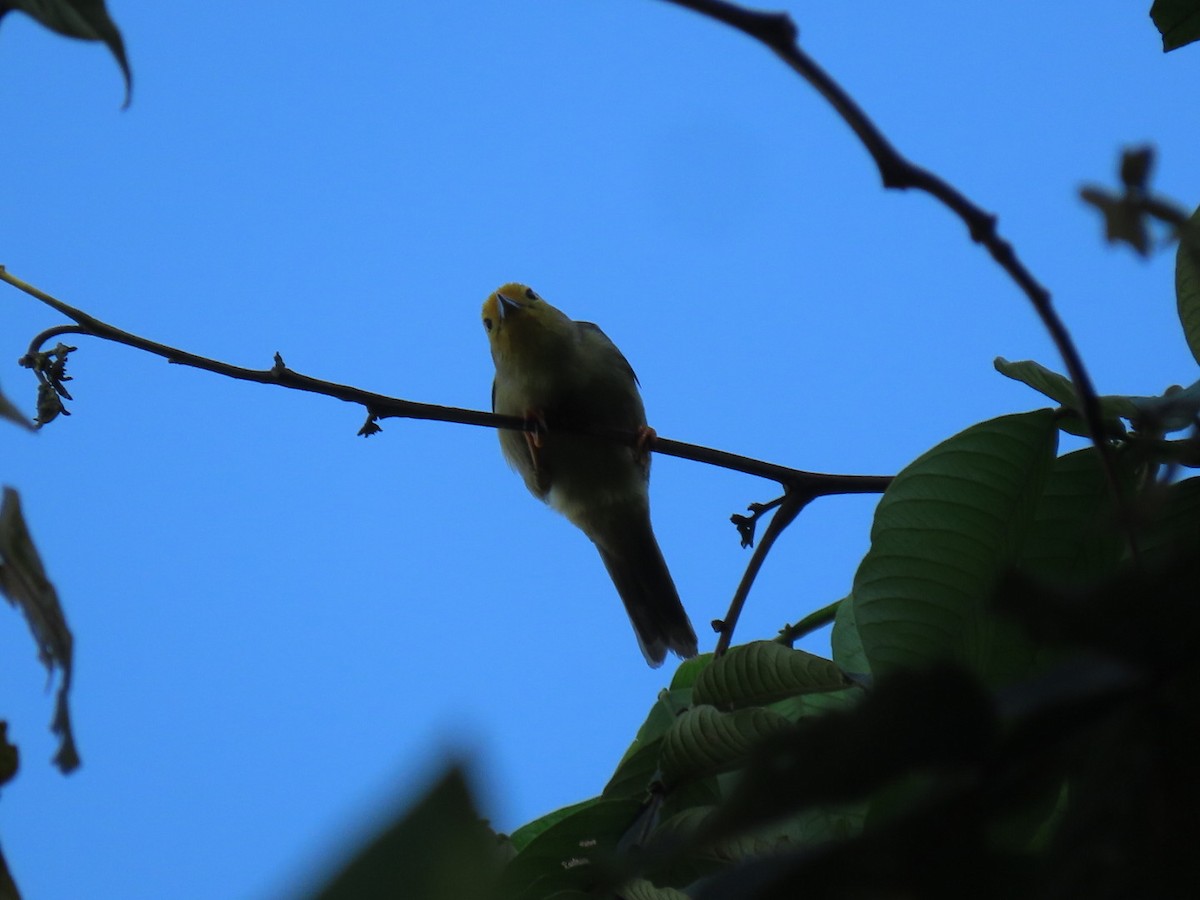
column 284, row 630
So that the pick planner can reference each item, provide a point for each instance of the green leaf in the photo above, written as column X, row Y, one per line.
column 1178, row 21
column 639, row 766
column 689, row 829
column 523, row 836
column 945, row 530
column 1073, row 536
column 1177, row 409
column 938, row 717
column 847, row 642
column 24, row 583
column 636, row 770
column 573, row 854
column 1045, row 381
column 1187, row 283
column 704, row 741
column 763, row 672
column 689, row 670
column 1059, row 388
column 87, row 20
column 437, row 850
column 806, row 706
column 662, row 716
column 1172, row 530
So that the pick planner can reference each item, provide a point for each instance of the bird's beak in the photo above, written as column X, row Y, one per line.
column 505, row 305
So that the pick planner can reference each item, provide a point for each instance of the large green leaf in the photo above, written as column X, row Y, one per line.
column 524, row 836
column 1187, row 283
column 87, row 20
column 705, row 741
column 847, row 642
column 1074, row 534
column 640, row 762
column 1170, row 532
column 946, row 529
column 912, row 721
column 573, row 854
column 437, row 850
column 806, row 828
column 763, row 672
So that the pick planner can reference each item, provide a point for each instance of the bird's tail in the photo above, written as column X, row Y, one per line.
column 636, row 565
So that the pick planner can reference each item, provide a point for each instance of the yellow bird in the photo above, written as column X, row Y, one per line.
column 551, row 369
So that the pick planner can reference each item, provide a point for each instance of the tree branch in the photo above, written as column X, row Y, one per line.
column 778, row 33
column 381, row 406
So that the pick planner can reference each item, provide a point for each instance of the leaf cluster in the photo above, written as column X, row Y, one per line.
column 1004, row 714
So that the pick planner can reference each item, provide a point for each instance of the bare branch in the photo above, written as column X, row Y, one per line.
column 793, row 502
column 381, row 406
column 778, row 33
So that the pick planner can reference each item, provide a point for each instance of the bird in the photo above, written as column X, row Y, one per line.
column 553, row 370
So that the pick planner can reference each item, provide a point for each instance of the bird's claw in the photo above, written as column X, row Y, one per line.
column 535, row 437
column 646, row 436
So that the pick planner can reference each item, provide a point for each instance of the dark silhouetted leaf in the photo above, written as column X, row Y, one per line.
column 437, row 850
column 1171, row 530
column 23, row 581
column 87, row 20
column 911, row 720
column 1136, row 164
column 1187, row 283
column 12, row 414
column 1124, row 218
column 1178, row 21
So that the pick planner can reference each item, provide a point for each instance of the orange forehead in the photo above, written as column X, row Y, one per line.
column 514, row 290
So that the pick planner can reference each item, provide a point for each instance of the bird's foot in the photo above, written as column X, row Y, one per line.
column 646, row 436
column 535, row 437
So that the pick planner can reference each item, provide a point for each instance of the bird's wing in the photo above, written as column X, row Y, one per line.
column 591, row 328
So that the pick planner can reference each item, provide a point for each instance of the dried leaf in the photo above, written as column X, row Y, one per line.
column 23, row 581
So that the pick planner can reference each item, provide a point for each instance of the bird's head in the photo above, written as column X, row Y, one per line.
column 520, row 323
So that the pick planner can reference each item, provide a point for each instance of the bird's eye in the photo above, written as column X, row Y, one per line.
column 487, row 323
column 530, row 294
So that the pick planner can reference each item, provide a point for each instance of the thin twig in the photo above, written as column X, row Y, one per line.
column 816, row 619
column 793, row 502
column 778, row 32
